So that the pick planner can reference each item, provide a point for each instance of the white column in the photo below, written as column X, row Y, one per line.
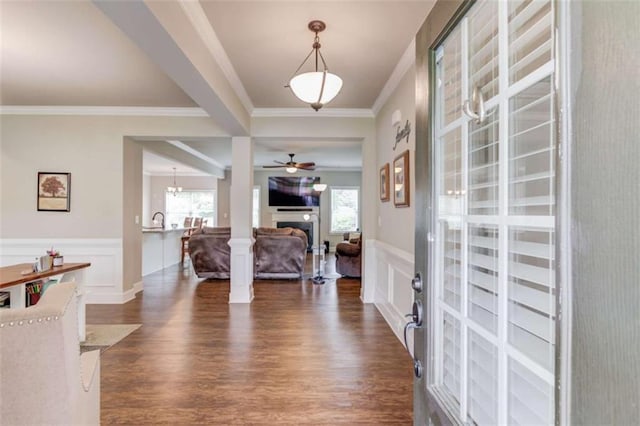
column 241, row 243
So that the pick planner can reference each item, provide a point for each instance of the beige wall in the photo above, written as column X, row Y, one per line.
column 91, row 148
column 396, row 225
column 224, row 206
column 106, row 185
column 132, row 203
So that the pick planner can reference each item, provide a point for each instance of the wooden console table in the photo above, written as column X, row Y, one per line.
column 12, row 280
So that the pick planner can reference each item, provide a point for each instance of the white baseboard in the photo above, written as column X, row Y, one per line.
column 241, row 285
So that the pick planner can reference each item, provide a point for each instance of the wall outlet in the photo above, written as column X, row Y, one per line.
column 137, row 219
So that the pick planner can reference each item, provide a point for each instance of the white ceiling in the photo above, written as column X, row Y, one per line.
column 67, row 52
column 267, row 40
column 70, row 53
column 153, row 164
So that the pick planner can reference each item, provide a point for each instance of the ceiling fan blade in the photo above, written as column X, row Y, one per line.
column 303, row 165
column 280, row 162
column 306, row 168
column 274, row 167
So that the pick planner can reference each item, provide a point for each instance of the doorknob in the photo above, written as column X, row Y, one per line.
column 416, row 322
column 416, row 283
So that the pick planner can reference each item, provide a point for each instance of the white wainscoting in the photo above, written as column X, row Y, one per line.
column 102, row 280
column 392, row 270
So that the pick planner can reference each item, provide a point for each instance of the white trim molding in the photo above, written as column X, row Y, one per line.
column 102, row 280
column 406, row 61
column 241, row 286
column 103, row 111
column 201, row 23
column 393, row 295
column 308, row 112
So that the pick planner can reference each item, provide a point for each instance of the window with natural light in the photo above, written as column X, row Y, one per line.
column 256, row 206
column 344, row 209
column 184, row 204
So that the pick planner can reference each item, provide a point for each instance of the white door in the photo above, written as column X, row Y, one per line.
column 488, row 338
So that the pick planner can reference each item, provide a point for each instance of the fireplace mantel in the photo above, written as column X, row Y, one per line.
column 297, row 216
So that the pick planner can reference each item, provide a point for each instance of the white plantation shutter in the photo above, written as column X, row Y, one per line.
column 483, row 48
column 530, row 398
column 483, row 171
column 530, row 41
column 495, row 268
column 483, row 277
column 483, row 380
column 451, row 355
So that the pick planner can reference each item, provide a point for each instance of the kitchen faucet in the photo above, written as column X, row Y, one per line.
column 153, row 218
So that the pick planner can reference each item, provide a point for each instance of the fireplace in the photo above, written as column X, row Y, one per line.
column 307, row 227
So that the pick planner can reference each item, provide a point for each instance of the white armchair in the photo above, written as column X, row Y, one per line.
column 43, row 377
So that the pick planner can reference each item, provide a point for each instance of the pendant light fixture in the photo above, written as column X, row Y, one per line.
column 174, row 189
column 316, row 87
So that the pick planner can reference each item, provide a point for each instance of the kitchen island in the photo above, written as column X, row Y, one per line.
column 160, row 248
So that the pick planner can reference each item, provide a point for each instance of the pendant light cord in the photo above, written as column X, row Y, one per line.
column 316, row 48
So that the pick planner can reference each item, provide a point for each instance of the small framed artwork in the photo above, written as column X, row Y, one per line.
column 384, row 183
column 401, row 194
column 54, row 192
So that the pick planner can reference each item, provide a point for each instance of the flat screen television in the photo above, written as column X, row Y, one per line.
column 293, row 191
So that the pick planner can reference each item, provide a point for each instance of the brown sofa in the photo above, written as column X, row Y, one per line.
column 349, row 256
column 277, row 253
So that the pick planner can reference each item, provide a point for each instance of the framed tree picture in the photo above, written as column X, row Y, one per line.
column 54, row 192
column 384, row 183
column 401, row 194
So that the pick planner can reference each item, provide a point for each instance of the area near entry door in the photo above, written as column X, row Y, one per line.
column 486, row 217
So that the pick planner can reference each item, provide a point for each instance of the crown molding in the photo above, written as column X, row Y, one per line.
column 407, row 59
column 308, row 112
column 201, row 23
column 103, row 110
column 178, row 174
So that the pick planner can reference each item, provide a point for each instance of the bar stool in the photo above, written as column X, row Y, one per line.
column 187, row 222
column 184, row 249
column 197, row 223
column 184, row 240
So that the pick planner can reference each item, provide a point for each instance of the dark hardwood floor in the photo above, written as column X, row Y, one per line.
column 299, row 354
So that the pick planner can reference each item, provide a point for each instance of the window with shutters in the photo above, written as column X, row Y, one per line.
column 494, row 304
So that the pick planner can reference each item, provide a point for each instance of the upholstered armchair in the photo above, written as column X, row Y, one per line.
column 45, row 379
column 210, row 252
column 349, row 256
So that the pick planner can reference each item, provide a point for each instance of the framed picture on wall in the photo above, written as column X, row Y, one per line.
column 401, row 194
column 384, row 183
column 54, row 192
